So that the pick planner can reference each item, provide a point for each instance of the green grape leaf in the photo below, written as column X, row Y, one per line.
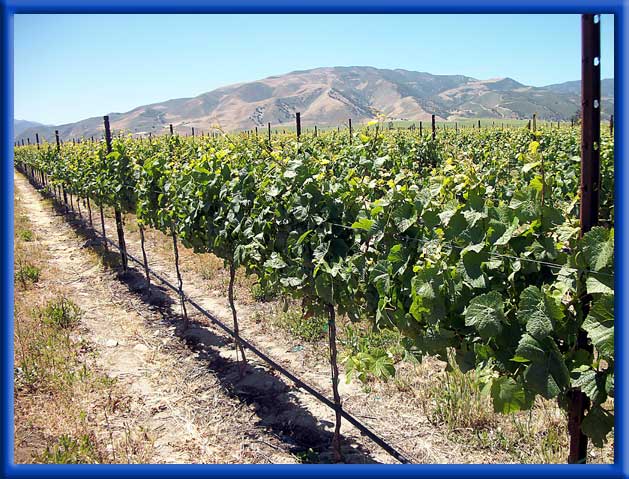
column 599, row 325
column 276, row 262
column 601, row 285
column 539, row 312
column 486, row 314
column 597, row 424
column 547, row 373
column 593, row 384
column 598, row 248
column 508, row 396
column 383, row 367
column 363, row 224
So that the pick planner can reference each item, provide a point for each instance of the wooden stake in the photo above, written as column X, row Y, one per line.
column 117, row 213
column 298, row 122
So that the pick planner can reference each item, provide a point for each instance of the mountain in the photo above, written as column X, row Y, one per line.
column 329, row 96
column 20, row 126
column 574, row 88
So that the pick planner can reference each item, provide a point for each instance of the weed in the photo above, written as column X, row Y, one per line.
column 309, row 456
column 26, row 235
column 27, row 274
column 61, row 313
column 69, row 450
column 459, row 400
column 311, row 329
column 370, row 355
column 262, row 293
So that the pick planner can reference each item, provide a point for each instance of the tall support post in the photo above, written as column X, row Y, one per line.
column 579, row 402
column 434, row 128
column 350, row 130
column 421, row 128
column 298, row 124
column 611, row 126
column 534, row 121
column 63, row 188
column 171, row 129
column 269, row 131
column 117, row 212
column 479, row 124
column 193, row 131
column 590, row 123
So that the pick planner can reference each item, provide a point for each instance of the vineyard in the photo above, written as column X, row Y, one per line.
column 465, row 243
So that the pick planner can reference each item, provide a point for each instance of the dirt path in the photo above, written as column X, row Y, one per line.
column 179, row 387
column 172, row 394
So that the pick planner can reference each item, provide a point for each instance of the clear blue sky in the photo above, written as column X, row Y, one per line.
column 69, row 67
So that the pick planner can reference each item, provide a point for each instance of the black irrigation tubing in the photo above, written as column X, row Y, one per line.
column 298, row 382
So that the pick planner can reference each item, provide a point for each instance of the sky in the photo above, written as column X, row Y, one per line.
column 70, row 67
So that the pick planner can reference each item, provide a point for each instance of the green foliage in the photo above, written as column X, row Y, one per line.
column 26, row 235
column 69, row 450
column 369, row 355
column 308, row 329
column 461, row 400
column 263, row 293
column 460, row 242
column 27, row 274
column 61, row 313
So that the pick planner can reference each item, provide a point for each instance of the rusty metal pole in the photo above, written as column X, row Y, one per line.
column 591, row 121
column 578, row 401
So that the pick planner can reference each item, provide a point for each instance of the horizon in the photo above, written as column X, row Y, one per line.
column 152, row 58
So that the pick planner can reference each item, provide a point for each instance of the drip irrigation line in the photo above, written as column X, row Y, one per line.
column 297, row 381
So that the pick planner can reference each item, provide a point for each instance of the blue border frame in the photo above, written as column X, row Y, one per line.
column 8, row 8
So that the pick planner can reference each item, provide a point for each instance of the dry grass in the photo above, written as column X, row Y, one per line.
column 61, row 397
column 454, row 402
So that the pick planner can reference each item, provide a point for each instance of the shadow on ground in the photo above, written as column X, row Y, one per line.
column 276, row 405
